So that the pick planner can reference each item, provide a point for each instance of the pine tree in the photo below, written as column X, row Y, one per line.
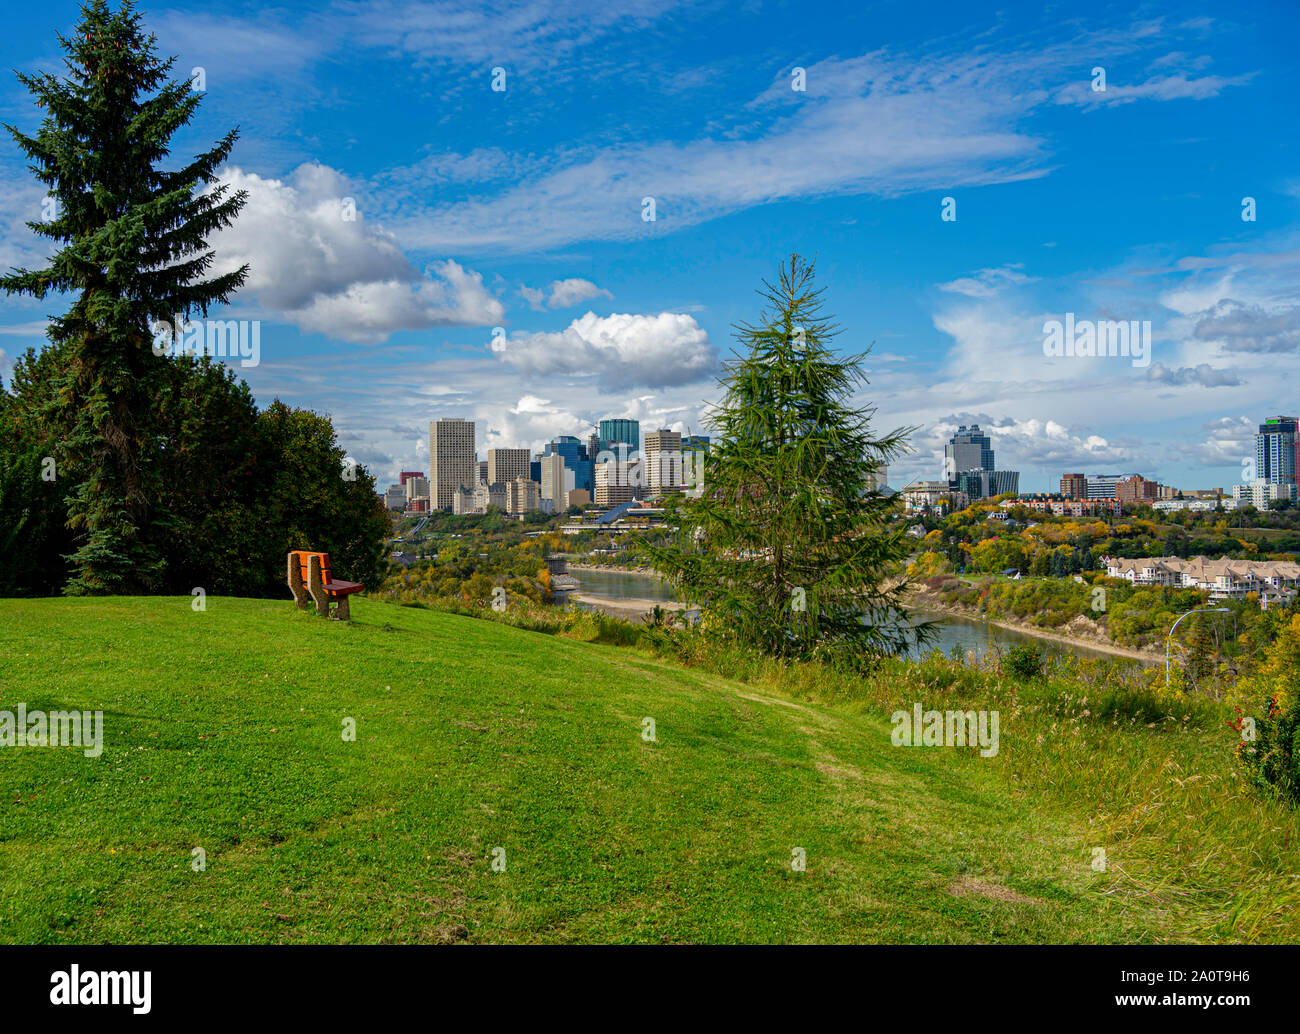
column 1057, row 566
column 133, row 251
column 787, row 548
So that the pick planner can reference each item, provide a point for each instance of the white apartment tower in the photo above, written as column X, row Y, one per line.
column 453, row 461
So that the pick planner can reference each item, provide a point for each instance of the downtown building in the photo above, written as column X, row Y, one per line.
column 505, row 465
column 523, row 496
column 478, row 499
column 1105, row 486
column 663, row 459
column 574, row 454
column 453, row 461
column 557, row 481
column 612, row 433
column 614, row 482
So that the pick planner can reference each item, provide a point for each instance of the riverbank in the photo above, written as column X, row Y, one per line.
column 629, row 609
column 926, row 601
column 648, row 571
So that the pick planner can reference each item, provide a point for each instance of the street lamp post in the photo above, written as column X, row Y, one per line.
column 1170, row 636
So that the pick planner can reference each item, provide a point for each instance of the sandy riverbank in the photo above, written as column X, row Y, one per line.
column 925, row 601
column 628, row 609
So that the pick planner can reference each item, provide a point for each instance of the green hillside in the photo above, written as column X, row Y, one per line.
column 223, row 731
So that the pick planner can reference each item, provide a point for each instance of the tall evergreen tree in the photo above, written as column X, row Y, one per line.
column 132, row 251
column 787, row 547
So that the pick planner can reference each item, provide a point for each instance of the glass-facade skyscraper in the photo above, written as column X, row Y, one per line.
column 969, row 468
column 611, row 432
column 968, row 449
column 574, row 452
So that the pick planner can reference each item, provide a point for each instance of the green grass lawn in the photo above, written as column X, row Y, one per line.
column 223, row 731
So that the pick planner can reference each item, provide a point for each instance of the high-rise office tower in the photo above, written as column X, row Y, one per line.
column 506, row 464
column 612, row 432
column 574, row 452
column 557, row 479
column 453, row 462
column 612, row 484
column 663, row 460
column 968, row 465
column 968, row 449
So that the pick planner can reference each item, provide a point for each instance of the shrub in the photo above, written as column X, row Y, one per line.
column 1272, row 759
column 1024, row 662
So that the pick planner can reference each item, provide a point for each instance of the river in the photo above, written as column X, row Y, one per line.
column 953, row 633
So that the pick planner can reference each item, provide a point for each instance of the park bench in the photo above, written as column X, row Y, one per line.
column 310, row 579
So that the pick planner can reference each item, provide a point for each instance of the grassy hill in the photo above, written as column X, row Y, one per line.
column 223, row 731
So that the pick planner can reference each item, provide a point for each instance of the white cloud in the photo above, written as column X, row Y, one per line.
column 340, row 276
column 1241, row 327
column 1157, row 88
column 1227, row 442
column 1203, row 374
column 574, row 291
column 36, row 328
column 492, row 32
column 985, row 283
column 939, row 120
column 1032, row 444
column 620, row 350
column 563, row 294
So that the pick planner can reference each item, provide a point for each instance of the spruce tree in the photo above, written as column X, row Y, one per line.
column 132, row 250
column 788, row 547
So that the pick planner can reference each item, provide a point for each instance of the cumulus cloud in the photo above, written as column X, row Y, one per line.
column 563, row 294
column 1031, row 444
column 1203, row 374
column 327, row 272
column 620, row 350
column 1241, row 327
column 1226, row 442
column 529, row 423
column 574, row 291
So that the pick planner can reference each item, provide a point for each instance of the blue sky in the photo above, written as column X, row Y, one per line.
column 521, row 209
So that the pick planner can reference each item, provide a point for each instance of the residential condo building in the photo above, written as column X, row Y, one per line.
column 1074, row 486
column 1277, row 451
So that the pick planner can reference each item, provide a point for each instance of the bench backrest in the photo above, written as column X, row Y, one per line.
column 304, row 560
